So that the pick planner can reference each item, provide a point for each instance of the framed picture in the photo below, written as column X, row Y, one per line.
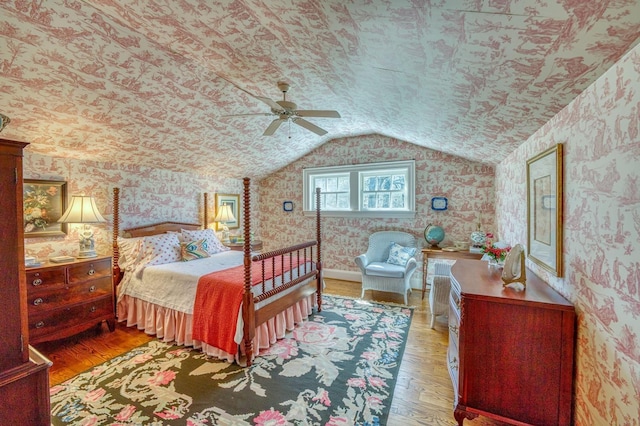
column 544, row 209
column 233, row 201
column 44, row 202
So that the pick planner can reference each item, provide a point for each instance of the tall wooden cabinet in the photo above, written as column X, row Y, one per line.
column 510, row 353
column 24, row 373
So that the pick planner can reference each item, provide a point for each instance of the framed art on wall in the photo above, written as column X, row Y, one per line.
column 44, row 202
column 233, row 201
column 544, row 209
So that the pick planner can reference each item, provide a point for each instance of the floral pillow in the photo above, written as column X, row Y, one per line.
column 399, row 255
column 193, row 250
column 160, row 249
column 213, row 243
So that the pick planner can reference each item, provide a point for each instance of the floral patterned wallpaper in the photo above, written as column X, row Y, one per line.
column 600, row 131
column 147, row 196
column 468, row 186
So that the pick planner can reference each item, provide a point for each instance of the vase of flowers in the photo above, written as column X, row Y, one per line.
column 495, row 253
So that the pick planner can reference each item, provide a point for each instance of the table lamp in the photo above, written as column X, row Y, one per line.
column 82, row 209
column 223, row 216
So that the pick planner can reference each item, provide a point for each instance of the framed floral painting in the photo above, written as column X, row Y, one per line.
column 44, row 203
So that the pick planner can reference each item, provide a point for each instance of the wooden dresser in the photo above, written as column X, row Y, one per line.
column 67, row 298
column 510, row 353
column 24, row 373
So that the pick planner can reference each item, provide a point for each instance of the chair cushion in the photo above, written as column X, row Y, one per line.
column 384, row 269
column 399, row 255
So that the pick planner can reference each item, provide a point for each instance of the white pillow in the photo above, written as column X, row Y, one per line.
column 213, row 243
column 399, row 255
column 129, row 250
column 160, row 249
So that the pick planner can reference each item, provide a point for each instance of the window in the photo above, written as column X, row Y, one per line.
column 365, row 190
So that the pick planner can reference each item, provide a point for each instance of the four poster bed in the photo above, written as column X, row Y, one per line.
column 229, row 304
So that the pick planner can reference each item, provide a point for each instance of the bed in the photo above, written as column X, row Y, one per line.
column 229, row 304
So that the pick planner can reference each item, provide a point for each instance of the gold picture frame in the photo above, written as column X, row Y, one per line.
column 544, row 210
column 44, row 202
column 233, row 200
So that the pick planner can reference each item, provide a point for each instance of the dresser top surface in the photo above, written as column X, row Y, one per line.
column 479, row 281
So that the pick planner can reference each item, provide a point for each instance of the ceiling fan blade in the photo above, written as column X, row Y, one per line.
column 274, row 106
column 318, row 113
column 273, row 126
column 310, row 126
column 266, row 114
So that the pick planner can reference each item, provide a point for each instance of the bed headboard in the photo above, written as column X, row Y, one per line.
column 159, row 228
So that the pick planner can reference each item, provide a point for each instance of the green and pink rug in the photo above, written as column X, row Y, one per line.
column 338, row 368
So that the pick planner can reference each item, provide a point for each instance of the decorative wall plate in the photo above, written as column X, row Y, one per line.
column 287, row 206
column 439, row 203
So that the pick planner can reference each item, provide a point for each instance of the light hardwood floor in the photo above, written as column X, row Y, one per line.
column 423, row 393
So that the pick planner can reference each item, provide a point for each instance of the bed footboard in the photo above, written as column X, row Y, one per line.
column 306, row 257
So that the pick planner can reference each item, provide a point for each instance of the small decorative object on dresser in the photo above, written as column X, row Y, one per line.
column 4, row 120
column 478, row 239
column 514, row 267
column 67, row 298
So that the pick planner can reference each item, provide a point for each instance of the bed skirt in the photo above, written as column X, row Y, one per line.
column 173, row 326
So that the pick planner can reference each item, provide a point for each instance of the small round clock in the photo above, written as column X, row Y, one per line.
column 439, row 203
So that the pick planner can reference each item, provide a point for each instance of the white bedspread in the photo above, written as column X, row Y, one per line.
column 174, row 285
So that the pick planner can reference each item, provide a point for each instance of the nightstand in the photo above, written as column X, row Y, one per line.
column 256, row 246
column 66, row 298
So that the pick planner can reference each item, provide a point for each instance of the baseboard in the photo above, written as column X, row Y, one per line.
column 337, row 274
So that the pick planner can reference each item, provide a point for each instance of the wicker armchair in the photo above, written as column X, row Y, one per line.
column 439, row 294
column 379, row 275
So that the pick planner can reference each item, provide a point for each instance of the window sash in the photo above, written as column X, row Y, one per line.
column 367, row 190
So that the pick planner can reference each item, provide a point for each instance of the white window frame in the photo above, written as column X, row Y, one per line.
column 354, row 170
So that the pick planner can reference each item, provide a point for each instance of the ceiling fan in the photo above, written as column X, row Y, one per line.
column 288, row 111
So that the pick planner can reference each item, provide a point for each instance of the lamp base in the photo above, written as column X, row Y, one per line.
column 87, row 254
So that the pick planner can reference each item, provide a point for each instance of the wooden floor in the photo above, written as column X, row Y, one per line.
column 423, row 393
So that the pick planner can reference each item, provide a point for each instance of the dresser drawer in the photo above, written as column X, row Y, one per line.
column 48, row 277
column 65, row 321
column 89, row 270
column 53, row 297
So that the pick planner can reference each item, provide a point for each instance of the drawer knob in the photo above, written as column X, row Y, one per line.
column 91, row 272
column 93, row 309
column 38, row 301
column 92, row 289
column 37, row 281
column 40, row 324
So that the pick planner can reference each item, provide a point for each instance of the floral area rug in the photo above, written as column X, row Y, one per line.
column 338, row 368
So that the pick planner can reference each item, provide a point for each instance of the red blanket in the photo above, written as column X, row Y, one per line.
column 218, row 300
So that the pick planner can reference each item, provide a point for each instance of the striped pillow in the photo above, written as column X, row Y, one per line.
column 193, row 250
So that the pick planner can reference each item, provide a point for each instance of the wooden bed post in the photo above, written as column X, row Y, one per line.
column 320, row 282
column 116, row 232
column 248, row 308
column 206, row 211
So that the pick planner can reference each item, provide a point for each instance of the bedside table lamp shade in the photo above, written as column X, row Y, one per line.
column 223, row 216
column 82, row 209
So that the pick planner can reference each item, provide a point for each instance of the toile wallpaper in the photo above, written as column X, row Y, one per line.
column 147, row 195
column 468, row 186
column 600, row 131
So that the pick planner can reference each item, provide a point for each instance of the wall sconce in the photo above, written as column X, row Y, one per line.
column 82, row 209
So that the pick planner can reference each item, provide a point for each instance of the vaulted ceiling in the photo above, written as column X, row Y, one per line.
column 151, row 83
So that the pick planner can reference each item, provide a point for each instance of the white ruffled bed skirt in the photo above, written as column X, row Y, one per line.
column 172, row 326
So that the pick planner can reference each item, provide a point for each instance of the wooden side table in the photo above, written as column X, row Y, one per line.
column 438, row 253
